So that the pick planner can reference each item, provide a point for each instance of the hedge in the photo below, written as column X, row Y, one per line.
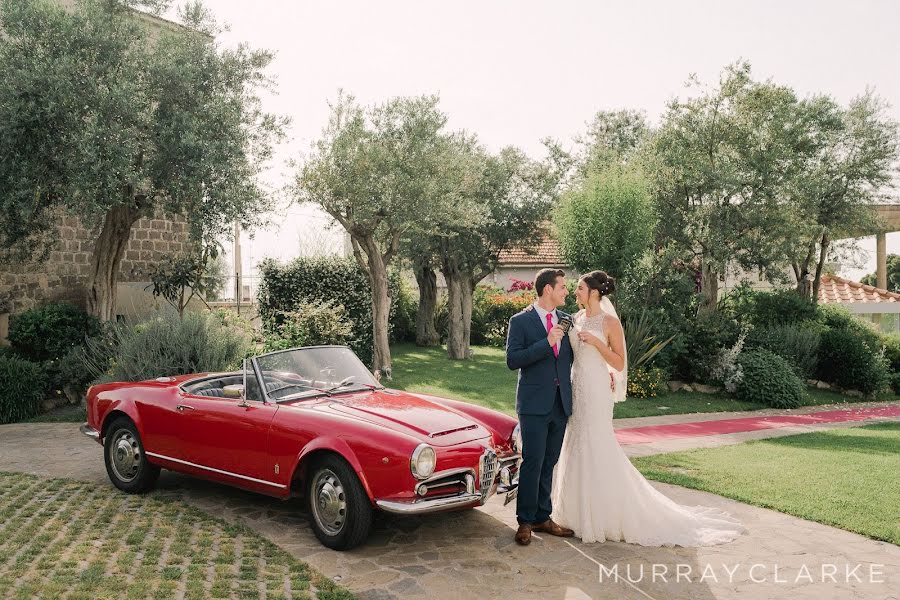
column 339, row 280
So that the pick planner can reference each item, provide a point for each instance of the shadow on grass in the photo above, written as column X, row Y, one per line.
column 861, row 440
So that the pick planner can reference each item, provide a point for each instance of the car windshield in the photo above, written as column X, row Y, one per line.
column 312, row 372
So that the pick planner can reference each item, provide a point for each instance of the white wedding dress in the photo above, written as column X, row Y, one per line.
column 596, row 490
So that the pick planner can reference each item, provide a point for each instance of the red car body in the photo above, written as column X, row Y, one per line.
column 267, row 446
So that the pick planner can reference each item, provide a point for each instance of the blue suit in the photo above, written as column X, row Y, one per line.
column 544, row 404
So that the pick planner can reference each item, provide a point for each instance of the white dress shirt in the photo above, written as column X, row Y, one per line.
column 543, row 315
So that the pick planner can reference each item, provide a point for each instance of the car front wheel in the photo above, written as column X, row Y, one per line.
column 126, row 462
column 340, row 509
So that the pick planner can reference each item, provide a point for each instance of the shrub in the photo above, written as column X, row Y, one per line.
column 834, row 316
column 796, row 343
column 769, row 379
column 403, row 313
column 50, row 331
column 70, row 376
column 22, row 388
column 727, row 368
column 768, row 309
column 311, row 324
column 891, row 344
column 321, row 279
column 497, row 309
column 846, row 359
column 895, row 383
column 165, row 345
column 703, row 340
column 646, row 382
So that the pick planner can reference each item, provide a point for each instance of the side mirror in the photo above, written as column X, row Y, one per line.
column 377, row 375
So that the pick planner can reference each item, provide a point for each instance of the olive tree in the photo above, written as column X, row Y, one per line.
column 375, row 171
column 107, row 119
column 508, row 197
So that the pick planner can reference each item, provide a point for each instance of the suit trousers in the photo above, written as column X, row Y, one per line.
column 542, row 437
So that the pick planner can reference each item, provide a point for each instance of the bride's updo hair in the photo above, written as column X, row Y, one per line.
column 600, row 281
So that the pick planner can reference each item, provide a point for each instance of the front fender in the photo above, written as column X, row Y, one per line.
column 337, row 446
column 110, row 409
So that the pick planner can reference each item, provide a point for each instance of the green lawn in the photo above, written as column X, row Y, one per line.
column 486, row 380
column 847, row 478
column 82, row 541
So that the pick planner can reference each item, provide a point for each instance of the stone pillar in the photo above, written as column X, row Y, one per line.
column 881, row 258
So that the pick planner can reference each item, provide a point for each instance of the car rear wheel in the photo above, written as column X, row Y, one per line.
column 126, row 461
column 340, row 509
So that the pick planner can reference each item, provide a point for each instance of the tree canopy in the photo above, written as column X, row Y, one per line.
column 106, row 119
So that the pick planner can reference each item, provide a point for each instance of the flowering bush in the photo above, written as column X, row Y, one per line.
column 726, row 368
column 646, row 383
column 497, row 310
column 520, row 286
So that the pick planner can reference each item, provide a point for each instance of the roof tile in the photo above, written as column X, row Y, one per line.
column 837, row 290
column 547, row 252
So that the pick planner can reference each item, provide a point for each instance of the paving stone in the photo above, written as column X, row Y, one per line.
column 472, row 554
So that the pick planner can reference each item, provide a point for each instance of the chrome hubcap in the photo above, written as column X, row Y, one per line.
column 329, row 502
column 125, row 455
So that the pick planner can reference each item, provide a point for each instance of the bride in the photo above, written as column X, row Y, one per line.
column 596, row 490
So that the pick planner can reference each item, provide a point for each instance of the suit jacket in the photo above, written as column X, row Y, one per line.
column 539, row 369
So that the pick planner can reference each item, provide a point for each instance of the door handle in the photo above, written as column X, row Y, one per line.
column 183, row 407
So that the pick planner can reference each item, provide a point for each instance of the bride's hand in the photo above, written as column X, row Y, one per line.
column 589, row 338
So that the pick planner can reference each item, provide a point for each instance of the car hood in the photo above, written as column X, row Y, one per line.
column 429, row 421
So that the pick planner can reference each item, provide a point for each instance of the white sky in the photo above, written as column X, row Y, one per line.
column 515, row 72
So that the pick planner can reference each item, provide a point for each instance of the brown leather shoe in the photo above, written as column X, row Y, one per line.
column 552, row 528
column 523, row 534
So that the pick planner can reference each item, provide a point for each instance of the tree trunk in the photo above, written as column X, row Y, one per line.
column 108, row 251
column 460, row 292
column 381, row 308
column 801, row 272
column 426, row 331
column 823, row 254
column 709, row 288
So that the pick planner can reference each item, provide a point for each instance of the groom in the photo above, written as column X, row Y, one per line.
column 538, row 348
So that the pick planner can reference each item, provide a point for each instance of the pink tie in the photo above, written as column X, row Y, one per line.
column 549, row 327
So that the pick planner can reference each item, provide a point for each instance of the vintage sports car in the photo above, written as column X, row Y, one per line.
column 310, row 422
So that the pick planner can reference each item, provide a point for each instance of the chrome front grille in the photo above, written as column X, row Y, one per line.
column 488, row 467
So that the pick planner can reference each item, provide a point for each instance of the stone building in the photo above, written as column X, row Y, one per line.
column 65, row 273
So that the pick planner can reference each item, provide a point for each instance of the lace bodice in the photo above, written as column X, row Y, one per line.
column 595, row 324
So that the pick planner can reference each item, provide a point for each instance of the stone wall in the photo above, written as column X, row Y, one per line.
column 64, row 275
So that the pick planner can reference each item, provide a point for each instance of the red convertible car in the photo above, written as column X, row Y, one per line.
column 310, row 422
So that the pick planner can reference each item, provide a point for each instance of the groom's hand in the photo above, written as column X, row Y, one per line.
column 555, row 336
column 612, row 382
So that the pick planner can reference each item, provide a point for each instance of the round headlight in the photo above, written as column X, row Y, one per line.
column 423, row 461
column 515, row 440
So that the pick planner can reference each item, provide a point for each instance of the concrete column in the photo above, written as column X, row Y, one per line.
column 881, row 258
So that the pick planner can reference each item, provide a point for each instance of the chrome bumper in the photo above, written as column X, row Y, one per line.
column 90, row 432
column 501, row 470
column 422, row 507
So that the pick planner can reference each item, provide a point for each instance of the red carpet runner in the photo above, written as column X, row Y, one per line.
column 655, row 433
